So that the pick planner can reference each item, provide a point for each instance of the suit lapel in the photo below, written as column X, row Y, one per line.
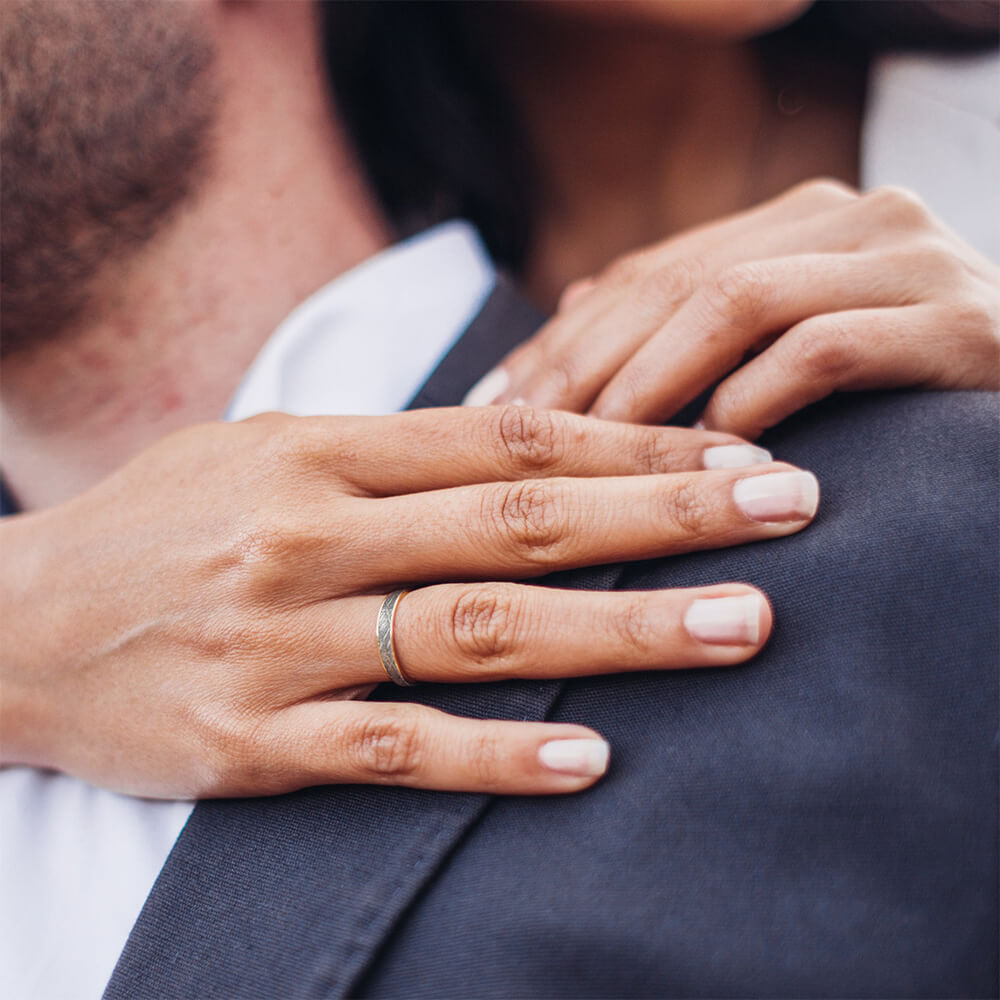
column 505, row 320
column 292, row 896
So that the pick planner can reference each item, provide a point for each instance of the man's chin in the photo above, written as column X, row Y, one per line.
column 107, row 110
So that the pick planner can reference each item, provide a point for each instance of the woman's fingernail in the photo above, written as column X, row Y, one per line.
column 734, row 456
column 698, row 425
column 486, row 390
column 778, row 496
column 728, row 621
column 586, row 758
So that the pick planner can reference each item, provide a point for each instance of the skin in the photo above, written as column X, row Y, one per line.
column 192, row 614
column 166, row 336
column 644, row 120
column 816, row 289
column 235, row 666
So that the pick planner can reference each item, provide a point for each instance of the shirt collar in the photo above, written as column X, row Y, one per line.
column 365, row 342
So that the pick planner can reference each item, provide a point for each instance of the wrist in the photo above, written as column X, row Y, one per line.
column 31, row 651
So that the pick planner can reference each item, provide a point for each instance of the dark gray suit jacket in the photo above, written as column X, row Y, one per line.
column 820, row 822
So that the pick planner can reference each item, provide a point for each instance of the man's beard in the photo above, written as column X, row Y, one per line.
column 107, row 114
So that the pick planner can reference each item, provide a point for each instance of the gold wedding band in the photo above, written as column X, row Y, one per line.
column 383, row 632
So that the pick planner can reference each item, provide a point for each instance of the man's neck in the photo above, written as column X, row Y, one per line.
column 283, row 211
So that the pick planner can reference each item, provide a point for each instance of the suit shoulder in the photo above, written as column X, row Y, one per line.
column 928, row 460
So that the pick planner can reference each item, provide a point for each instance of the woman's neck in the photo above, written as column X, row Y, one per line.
column 636, row 135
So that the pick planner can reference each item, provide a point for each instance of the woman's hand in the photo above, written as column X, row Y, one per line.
column 202, row 623
column 819, row 290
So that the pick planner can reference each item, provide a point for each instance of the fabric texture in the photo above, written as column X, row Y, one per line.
column 820, row 822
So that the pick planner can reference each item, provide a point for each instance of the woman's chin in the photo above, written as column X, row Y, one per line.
column 708, row 19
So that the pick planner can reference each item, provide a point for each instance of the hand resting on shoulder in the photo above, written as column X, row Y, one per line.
column 210, row 609
column 821, row 289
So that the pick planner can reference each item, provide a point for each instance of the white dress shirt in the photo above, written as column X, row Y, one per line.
column 76, row 863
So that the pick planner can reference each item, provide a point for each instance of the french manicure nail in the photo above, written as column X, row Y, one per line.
column 727, row 621
column 586, row 758
column 698, row 425
column 486, row 390
column 778, row 496
column 735, row 456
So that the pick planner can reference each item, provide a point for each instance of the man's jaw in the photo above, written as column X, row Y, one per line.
column 281, row 209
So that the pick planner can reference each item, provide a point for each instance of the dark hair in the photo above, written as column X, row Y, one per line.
column 434, row 130
column 439, row 138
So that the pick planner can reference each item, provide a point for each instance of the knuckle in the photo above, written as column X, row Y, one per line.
column 933, row 260
column 685, row 508
column 654, row 453
column 977, row 320
column 528, row 516
column 573, row 292
column 291, row 443
column 899, row 206
column 265, row 556
column 627, row 269
column 225, row 639
column 483, row 622
column 233, row 755
column 259, row 544
column 627, row 398
column 741, row 293
column 824, row 191
column 732, row 404
column 487, row 762
column 269, row 418
column 669, row 285
column 822, row 351
column 562, row 376
column 263, row 547
column 201, row 451
column 387, row 746
column 635, row 629
column 534, row 440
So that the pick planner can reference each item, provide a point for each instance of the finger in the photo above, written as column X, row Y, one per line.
column 500, row 385
column 316, row 743
column 439, row 448
column 744, row 307
column 568, row 361
column 785, row 223
column 569, row 365
column 534, row 527
column 877, row 348
column 574, row 292
column 566, row 364
column 791, row 212
column 497, row 631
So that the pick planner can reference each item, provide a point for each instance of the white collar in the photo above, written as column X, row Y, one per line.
column 366, row 342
